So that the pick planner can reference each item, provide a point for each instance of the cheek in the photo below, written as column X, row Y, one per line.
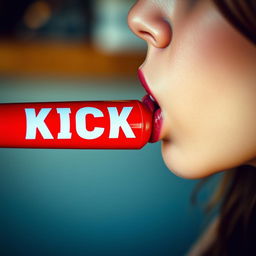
column 214, row 137
column 210, row 105
column 211, row 121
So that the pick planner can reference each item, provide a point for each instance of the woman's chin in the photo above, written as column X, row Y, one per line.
column 177, row 162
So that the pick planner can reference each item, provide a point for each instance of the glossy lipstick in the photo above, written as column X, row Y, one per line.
column 150, row 101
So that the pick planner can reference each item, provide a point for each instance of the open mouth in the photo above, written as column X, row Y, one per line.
column 151, row 103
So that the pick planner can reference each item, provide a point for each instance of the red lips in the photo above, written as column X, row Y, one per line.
column 150, row 101
column 145, row 84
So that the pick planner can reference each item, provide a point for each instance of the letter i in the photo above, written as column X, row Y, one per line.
column 64, row 123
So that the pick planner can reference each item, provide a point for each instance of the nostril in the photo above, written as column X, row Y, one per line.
column 147, row 36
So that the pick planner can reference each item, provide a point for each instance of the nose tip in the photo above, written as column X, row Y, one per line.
column 150, row 26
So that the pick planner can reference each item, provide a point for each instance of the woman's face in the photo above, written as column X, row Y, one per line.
column 201, row 71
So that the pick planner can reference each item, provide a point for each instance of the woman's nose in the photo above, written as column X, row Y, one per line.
column 148, row 23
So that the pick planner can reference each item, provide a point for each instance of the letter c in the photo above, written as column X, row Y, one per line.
column 81, row 123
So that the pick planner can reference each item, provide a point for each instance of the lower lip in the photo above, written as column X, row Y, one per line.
column 157, row 125
column 157, row 118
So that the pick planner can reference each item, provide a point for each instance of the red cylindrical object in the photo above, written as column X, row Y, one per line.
column 84, row 125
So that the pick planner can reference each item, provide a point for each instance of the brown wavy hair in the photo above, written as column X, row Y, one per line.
column 235, row 196
column 236, row 227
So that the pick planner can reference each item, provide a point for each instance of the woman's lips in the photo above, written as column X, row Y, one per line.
column 157, row 125
column 151, row 103
column 145, row 84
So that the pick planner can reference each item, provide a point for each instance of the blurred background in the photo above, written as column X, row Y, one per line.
column 84, row 202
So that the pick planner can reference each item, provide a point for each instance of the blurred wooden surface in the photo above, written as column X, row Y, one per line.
column 65, row 59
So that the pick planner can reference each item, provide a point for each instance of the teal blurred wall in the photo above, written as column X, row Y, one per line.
column 91, row 202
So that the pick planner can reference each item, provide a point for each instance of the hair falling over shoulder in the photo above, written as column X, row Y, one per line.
column 236, row 230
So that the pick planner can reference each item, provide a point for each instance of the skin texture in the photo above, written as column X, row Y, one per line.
column 201, row 70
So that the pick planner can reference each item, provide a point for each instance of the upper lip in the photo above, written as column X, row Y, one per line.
column 145, row 84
